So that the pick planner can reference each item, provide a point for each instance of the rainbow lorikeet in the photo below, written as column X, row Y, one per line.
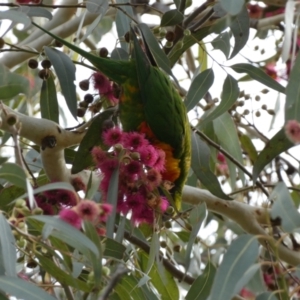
column 149, row 104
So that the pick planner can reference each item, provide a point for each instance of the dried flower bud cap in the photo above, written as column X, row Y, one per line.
column 81, row 112
column 44, row 74
column 2, row 43
column 11, row 119
column 170, row 35
column 88, row 98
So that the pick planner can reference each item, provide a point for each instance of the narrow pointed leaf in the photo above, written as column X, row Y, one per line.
column 229, row 95
column 284, row 208
column 197, row 217
column 201, row 287
column 8, row 249
column 266, row 296
column 14, row 174
column 248, row 147
column 227, row 135
column 61, row 276
column 277, row 144
column 200, row 166
column 97, row 6
column 129, row 283
column 233, row 7
column 22, row 289
column 48, row 100
column 222, row 42
column 167, row 287
column 240, row 30
column 95, row 260
column 36, row 12
column 243, row 281
column 11, row 84
column 171, row 18
column 292, row 103
column 15, row 16
column 114, row 249
column 123, row 21
column 83, row 158
column 259, row 75
column 112, row 198
column 199, row 87
column 65, row 71
column 239, row 257
column 69, row 234
column 159, row 55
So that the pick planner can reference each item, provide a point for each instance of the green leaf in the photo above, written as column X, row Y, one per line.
column 119, row 54
column 97, row 6
column 92, row 234
column 48, row 100
column 8, row 195
column 114, row 249
column 243, row 281
column 284, row 208
column 222, row 42
column 130, row 283
column 201, row 287
column 240, row 256
column 199, row 87
column 83, row 158
column 259, row 75
column 266, row 296
column 69, row 234
column 233, row 7
column 277, row 144
column 159, row 55
column 8, row 249
column 240, row 30
column 192, row 39
column 248, row 146
column 22, row 289
column 112, row 198
column 292, row 103
column 229, row 95
column 61, row 276
column 200, row 166
column 12, row 84
column 171, row 18
column 123, row 21
column 36, row 12
column 14, row 174
column 15, row 16
column 227, row 135
column 65, row 71
column 196, row 218
column 164, row 283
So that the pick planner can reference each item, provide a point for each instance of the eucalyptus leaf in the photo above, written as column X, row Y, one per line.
column 276, row 145
column 284, row 209
column 292, row 103
column 36, row 12
column 112, row 198
column 48, row 100
column 237, row 260
column 240, row 29
column 201, row 287
column 222, row 42
column 171, row 18
column 233, row 7
column 97, row 6
column 15, row 16
column 12, row 84
column 114, row 249
column 119, row 54
column 65, row 71
column 229, row 96
column 259, row 75
column 8, row 250
column 200, row 166
column 266, row 296
column 199, row 87
column 22, row 289
column 14, row 174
